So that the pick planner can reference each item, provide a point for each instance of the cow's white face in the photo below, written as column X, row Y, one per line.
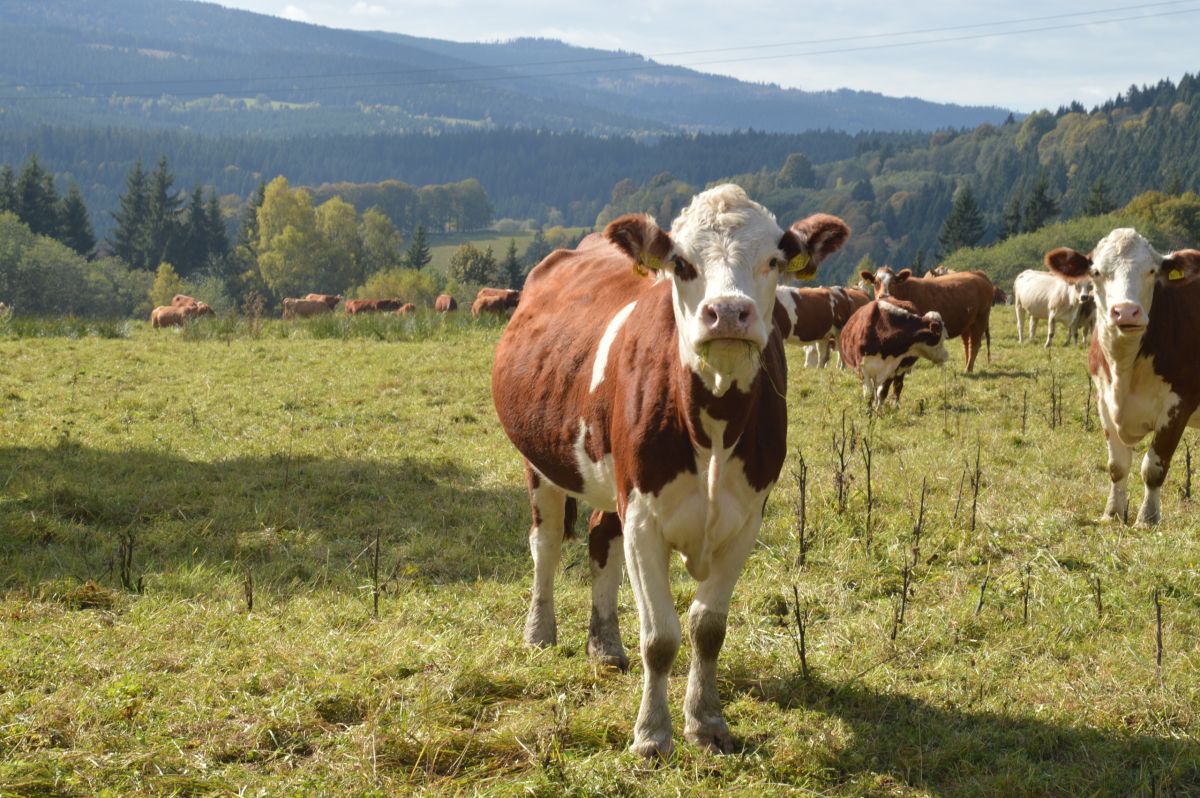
column 1124, row 270
column 724, row 257
column 885, row 279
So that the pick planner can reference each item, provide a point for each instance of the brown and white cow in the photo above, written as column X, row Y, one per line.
column 495, row 300
column 815, row 316
column 445, row 303
column 1046, row 295
column 1143, row 359
column 356, row 306
column 962, row 299
column 883, row 340
column 331, row 300
column 304, row 308
column 660, row 403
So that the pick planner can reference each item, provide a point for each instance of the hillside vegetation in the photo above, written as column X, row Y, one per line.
column 241, row 463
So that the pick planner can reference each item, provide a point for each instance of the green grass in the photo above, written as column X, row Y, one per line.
column 281, row 451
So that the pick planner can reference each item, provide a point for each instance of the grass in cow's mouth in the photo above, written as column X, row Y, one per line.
column 241, row 461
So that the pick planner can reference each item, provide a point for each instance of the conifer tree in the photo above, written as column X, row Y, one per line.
column 130, row 218
column 1098, row 202
column 37, row 199
column 75, row 226
column 163, row 234
column 8, row 189
column 418, row 256
column 511, row 271
column 964, row 225
column 1040, row 207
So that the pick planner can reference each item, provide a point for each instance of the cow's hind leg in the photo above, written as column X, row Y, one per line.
column 970, row 348
column 553, row 517
column 606, row 550
column 704, row 723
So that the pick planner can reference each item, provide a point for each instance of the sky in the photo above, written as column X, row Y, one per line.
column 1053, row 53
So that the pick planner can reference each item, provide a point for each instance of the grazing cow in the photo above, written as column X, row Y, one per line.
column 203, row 309
column 1045, row 295
column 495, row 300
column 962, row 299
column 999, row 297
column 176, row 316
column 331, row 300
column 445, row 303
column 304, row 308
column 183, row 301
column 883, row 340
column 1143, row 359
column 356, row 306
column 660, row 403
column 815, row 317
column 407, row 309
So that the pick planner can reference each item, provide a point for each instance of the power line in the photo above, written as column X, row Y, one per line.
column 639, row 67
column 623, row 57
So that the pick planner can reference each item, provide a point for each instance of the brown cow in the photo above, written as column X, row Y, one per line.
column 176, row 316
column 999, row 297
column 882, row 342
column 815, row 316
column 445, row 303
column 182, row 301
column 962, row 299
column 1144, row 360
column 331, row 300
column 407, row 309
column 304, row 308
column 495, row 300
column 356, row 306
column 659, row 402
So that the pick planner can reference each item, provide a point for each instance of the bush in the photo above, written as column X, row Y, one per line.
column 411, row 285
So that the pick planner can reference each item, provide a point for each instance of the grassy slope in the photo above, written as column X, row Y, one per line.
column 284, row 456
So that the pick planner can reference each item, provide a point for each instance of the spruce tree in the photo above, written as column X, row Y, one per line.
column 1040, row 207
column 537, row 249
column 76, row 228
column 214, row 222
column 130, row 218
column 511, row 270
column 1098, row 202
column 964, row 224
column 163, row 234
column 192, row 250
column 1012, row 216
column 8, row 189
column 37, row 200
column 418, row 256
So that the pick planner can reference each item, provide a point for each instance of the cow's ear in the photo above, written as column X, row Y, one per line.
column 1180, row 265
column 810, row 241
column 903, row 275
column 867, row 277
column 1068, row 263
column 641, row 239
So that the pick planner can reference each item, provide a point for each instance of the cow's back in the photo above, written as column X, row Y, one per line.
column 1041, row 293
column 543, row 376
column 963, row 299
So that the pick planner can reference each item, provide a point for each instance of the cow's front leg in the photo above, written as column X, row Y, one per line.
column 551, row 509
column 606, row 551
column 704, row 724
column 1119, row 458
column 647, row 558
column 1158, row 461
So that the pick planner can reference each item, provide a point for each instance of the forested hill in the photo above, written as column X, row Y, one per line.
column 167, row 63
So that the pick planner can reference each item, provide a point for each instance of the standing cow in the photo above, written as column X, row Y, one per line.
column 659, row 402
column 495, row 300
column 445, row 303
column 1143, row 359
column 331, row 300
column 962, row 299
column 1045, row 295
column 294, row 308
column 815, row 316
column 882, row 342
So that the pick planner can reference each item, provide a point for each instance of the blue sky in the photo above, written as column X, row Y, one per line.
column 1054, row 53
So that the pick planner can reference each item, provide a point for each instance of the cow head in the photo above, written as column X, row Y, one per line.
column 724, row 257
column 884, row 279
column 1124, row 271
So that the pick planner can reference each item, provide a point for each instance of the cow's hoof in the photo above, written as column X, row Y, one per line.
column 653, row 749
column 540, row 629
column 609, row 659
column 713, row 739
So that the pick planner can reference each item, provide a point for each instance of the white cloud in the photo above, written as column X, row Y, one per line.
column 295, row 14
column 362, row 9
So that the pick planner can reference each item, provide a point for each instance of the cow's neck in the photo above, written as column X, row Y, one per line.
column 1120, row 352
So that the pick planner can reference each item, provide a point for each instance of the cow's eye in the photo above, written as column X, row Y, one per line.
column 776, row 263
column 1095, row 272
column 683, row 269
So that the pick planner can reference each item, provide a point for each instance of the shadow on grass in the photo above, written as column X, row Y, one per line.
column 63, row 511
column 957, row 752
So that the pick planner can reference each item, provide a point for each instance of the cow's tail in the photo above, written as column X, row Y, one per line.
column 987, row 334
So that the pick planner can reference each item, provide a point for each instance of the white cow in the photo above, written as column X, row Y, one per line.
column 1045, row 295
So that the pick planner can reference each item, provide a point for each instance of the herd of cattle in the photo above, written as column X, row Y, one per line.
column 660, row 401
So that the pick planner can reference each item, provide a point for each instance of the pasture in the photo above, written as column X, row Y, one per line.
column 241, row 461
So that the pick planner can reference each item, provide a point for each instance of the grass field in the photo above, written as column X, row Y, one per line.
column 185, row 465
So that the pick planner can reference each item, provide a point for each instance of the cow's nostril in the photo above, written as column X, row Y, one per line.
column 744, row 315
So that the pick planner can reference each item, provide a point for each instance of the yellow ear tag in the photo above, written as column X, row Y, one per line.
column 1175, row 274
column 648, row 262
column 801, row 266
